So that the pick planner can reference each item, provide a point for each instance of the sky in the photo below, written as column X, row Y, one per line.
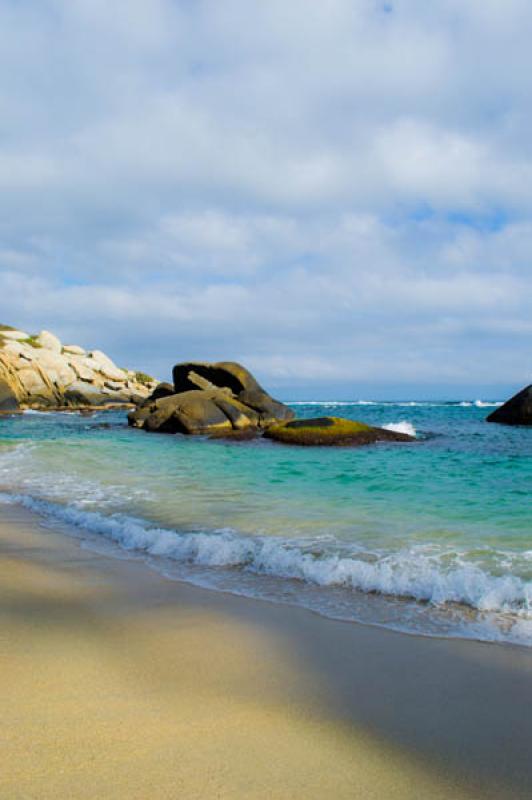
column 337, row 193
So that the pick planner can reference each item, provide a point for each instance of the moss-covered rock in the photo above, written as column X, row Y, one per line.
column 332, row 431
column 144, row 379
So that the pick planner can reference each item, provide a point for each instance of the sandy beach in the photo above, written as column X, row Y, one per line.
column 116, row 682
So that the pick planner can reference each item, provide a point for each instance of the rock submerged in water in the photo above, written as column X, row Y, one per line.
column 39, row 372
column 332, row 431
column 216, row 399
column 516, row 411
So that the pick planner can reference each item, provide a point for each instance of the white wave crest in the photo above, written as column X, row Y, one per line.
column 483, row 404
column 333, row 403
column 398, row 403
column 401, row 427
column 418, row 573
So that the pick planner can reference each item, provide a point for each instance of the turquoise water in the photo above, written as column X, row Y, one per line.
column 432, row 537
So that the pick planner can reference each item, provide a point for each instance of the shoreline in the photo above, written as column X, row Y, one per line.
column 396, row 613
column 120, row 682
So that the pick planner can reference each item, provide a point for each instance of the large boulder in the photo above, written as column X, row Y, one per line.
column 516, row 411
column 13, row 334
column 215, row 399
column 236, row 381
column 198, row 411
column 103, row 364
column 226, row 374
column 163, row 389
column 48, row 341
column 189, row 412
column 82, row 366
column 81, row 393
column 56, row 367
column 147, row 406
column 332, row 431
column 19, row 352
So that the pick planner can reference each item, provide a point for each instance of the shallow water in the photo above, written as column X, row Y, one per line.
column 431, row 537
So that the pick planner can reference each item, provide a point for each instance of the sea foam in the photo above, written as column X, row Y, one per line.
column 401, row 427
column 420, row 572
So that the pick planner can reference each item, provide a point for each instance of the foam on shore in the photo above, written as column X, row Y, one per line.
column 421, row 573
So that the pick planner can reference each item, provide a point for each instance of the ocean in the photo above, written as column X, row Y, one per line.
column 432, row 537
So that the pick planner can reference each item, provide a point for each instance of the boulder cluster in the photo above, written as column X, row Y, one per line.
column 215, row 399
column 225, row 400
column 38, row 371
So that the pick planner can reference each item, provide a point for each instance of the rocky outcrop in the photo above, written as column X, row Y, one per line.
column 237, row 381
column 332, row 431
column 225, row 400
column 516, row 411
column 215, row 399
column 39, row 372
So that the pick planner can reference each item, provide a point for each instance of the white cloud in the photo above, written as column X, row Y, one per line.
column 326, row 190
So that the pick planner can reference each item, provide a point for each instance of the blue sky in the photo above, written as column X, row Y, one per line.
column 335, row 193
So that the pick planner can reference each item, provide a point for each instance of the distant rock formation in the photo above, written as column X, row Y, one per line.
column 332, row 431
column 516, row 411
column 216, row 399
column 37, row 371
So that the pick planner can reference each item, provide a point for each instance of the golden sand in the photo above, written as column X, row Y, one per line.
column 118, row 683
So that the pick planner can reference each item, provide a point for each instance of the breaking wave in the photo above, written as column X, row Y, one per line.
column 401, row 427
column 400, row 403
column 419, row 573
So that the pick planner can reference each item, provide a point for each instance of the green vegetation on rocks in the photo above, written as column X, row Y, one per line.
column 141, row 377
column 331, row 431
column 32, row 341
column 37, row 371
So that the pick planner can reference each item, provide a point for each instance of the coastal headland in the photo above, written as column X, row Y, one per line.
column 117, row 682
column 38, row 371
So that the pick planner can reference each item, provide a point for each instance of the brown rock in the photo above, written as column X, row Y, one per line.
column 236, row 381
column 332, row 431
column 188, row 412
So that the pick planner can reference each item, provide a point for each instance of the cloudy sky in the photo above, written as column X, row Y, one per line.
column 336, row 192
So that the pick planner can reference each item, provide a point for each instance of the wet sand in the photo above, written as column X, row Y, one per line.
column 118, row 683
